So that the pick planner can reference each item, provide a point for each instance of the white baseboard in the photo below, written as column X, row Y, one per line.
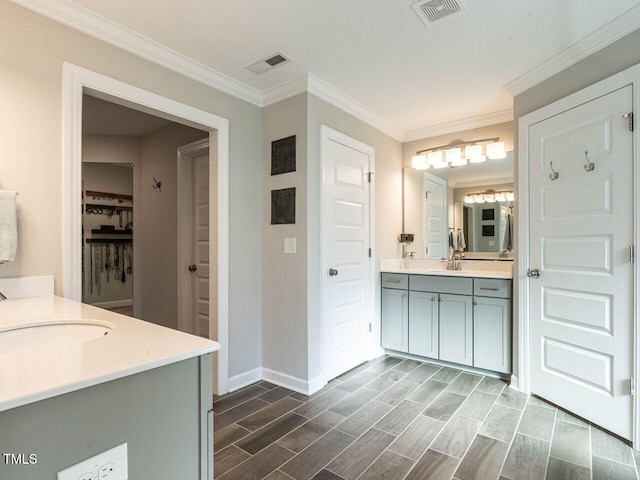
column 114, row 304
column 246, row 378
column 306, row 387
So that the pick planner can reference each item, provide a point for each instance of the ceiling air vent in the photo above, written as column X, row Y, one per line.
column 431, row 11
column 266, row 64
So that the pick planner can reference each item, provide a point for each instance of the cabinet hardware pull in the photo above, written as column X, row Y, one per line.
column 441, row 299
column 493, row 289
column 392, row 280
column 475, row 303
column 433, row 299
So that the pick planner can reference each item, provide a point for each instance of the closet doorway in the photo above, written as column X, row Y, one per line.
column 147, row 248
column 107, row 236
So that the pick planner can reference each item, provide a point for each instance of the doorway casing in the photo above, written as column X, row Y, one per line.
column 78, row 81
column 521, row 378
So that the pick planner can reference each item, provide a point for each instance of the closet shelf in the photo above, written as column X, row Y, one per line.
column 115, row 208
column 116, row 196
column 107, row 231
column 108, row 240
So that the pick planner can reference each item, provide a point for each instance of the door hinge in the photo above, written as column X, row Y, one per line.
column 370, row 175
column 369, row 327
column 630, row 117
column 632, row 387
column 632, row 253
column 369, row 252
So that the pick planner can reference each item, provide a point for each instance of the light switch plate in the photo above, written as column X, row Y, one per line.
column 289, row 245
column 109, row 465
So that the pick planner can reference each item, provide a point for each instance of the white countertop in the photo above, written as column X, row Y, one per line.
column 470, row 268
column 131, row 347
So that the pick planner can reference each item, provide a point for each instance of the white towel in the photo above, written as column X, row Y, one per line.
column 462, row 244
column 507, row 241
column 8, row 226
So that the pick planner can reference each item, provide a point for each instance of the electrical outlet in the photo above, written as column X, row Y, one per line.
column 109, row 465
column 289, row 245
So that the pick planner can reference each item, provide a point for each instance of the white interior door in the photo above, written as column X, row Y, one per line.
column 200, row 290
column 347, row 291
column 581, row 231
column 435, row 216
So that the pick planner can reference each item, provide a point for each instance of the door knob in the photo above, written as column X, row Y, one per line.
column 534, row 273
column 333, row 272
column 192, row 268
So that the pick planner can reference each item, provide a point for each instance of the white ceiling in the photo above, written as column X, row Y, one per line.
column 376, row 52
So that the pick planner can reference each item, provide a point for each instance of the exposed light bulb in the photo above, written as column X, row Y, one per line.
column 496, row 151
column 419, row 162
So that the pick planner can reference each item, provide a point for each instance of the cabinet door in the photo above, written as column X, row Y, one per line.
column 456, row 329
column 423, row 324
column 395, row 319
column 492, row 334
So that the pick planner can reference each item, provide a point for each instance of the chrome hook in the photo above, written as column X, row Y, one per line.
column 554, row 175
column 589, row 166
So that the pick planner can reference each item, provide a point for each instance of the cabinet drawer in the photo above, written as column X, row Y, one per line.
column 441, row 284
column 399, row 281
column 492, row 287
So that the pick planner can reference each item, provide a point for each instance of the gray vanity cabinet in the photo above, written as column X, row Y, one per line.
column 461, row 320
column 394, row 300
column 492, row 325
column 423, row 324
column 456, row 329
column 453, row 315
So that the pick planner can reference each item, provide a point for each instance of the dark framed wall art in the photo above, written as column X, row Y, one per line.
column 283, row 206
column 283, row 155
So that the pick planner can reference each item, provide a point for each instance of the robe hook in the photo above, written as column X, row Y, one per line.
column 589, row 166
column 554, row 175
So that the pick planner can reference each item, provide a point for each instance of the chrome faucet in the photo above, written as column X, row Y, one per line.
column 2, row 297
column 455, row 257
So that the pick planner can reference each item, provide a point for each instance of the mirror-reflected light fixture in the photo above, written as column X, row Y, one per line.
column 489, row 197
column 451, row 155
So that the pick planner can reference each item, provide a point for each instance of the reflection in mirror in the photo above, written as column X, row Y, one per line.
column 439, row 220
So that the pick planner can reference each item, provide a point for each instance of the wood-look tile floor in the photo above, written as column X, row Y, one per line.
column 394, row 419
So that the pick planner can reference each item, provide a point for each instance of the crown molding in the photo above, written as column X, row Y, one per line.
column 97, row 26
column 588, row 45
column 460, row 125
column 335, row 97
column 285, row 90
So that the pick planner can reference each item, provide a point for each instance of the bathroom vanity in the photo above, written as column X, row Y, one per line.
column 76, row 380
column 458, row 316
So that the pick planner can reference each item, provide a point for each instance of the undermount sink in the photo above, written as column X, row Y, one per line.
column 54, row 334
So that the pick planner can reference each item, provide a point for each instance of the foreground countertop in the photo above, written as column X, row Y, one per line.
column 132, row 346
column 470, row 268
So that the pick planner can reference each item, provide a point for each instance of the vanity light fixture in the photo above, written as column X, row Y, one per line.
column 496, row 151
column 489, row 197
column 419, row 162
column 451, row 155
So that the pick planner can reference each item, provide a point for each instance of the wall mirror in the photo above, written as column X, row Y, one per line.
column 435, row 210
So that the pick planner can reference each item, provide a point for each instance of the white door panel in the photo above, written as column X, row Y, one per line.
column 581, row 227
column 201, row 244
column 436, row 216
column 346, row 241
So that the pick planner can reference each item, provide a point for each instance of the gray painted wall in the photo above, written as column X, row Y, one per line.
column 292, row 300
column 284, row 292
column 32, row 52
column 155, row 412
